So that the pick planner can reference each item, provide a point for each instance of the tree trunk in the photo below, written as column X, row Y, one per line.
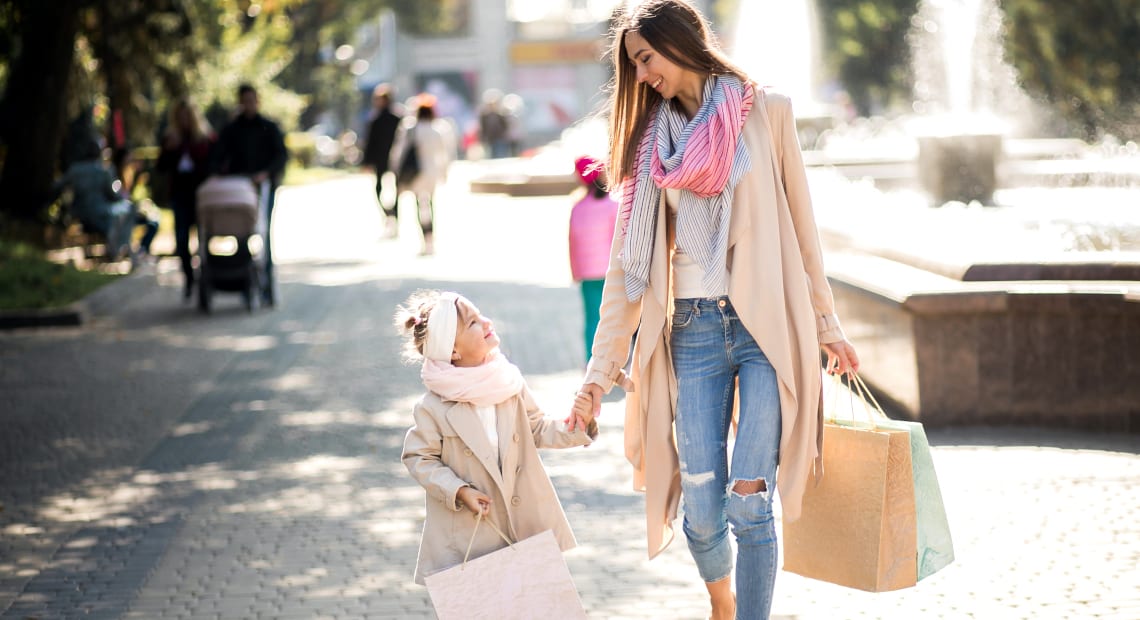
column 34, row 107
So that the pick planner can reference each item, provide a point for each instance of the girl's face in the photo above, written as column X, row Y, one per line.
column 475, row 335
column 654, row 69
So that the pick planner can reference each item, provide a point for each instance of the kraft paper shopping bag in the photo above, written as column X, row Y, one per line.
column 857, row 526
column 934, row 545
column 525, row 580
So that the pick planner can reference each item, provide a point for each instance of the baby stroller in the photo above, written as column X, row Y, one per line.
column 232, row 234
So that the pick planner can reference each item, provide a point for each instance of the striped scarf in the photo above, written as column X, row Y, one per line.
column 704, row 158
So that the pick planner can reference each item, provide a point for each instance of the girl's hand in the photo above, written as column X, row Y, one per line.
column 587, row 402
column 841, row 357
column 475, row 500
column 582, row 412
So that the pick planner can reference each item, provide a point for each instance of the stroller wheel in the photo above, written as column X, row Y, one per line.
column 251, row 294
column 268, row 294
column 205, row 291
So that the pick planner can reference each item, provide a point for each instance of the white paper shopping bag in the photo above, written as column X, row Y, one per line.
column 525, row 580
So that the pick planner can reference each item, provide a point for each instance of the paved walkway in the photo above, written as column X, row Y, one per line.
column 162, row 464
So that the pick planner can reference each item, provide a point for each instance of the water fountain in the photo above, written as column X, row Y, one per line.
column 1023, row 311
column 957, row 61
column 766, row 31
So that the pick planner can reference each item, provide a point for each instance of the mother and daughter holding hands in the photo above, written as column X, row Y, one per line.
column 716, row 266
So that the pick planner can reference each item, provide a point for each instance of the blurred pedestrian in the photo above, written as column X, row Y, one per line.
column 591, row 236
column 514, row 107
column 378, row 149
column 430, row 142
column 493, row 125
column 100, row 205
column 254, row 146
column 185, row 160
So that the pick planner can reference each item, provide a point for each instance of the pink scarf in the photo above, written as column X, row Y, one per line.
column 705, row 158
column 489, row 383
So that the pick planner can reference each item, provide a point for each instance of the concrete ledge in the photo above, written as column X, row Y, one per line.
column 945, row 352
column 524, row 185
column 67, row 316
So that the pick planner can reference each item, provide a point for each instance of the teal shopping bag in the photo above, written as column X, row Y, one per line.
column 935, row 546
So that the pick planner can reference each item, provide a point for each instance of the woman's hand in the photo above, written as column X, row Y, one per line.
column 588, row 399
column 582, row 412
column 475, row 501
column 841, row 357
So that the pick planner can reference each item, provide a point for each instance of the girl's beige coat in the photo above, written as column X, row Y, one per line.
column 778, row 287
column 447, row 449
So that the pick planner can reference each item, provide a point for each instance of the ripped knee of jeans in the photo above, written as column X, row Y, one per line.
column 744, row 488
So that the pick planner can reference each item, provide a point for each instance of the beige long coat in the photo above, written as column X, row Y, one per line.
column 448, row 449
column 778, row 287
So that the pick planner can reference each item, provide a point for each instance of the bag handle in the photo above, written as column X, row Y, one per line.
column 856, row 387
column 865, row 394
column 478, row 520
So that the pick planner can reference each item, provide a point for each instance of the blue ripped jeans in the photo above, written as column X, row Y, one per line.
column 711, row 349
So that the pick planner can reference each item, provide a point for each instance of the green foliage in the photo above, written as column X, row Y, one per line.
column 27, row 280
column 721, row 14
column 436, row 18
column 865, row 50
column 240, row 51
column 1081, row 57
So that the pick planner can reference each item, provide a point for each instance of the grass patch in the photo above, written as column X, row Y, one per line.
column 28, row 280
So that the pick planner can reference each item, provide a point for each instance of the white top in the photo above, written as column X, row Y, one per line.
column 688, row 276
column 487, row 417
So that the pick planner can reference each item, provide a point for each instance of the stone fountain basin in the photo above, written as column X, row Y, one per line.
column 953, row 330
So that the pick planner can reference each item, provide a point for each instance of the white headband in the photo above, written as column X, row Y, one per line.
column 441, row 324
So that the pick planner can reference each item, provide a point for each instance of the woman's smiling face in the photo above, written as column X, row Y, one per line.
column 475, row 335
column 654, row 69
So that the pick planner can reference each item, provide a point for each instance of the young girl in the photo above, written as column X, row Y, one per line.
column 591, row 234
column 474, row 445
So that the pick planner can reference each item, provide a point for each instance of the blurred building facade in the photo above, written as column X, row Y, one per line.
column 552, row 53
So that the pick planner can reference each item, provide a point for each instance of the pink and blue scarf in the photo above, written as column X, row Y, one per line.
column 704, row 158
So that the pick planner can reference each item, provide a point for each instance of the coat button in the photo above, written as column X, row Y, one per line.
column 467, row 451
column 515, row 438
column 518, row 469
column 515, row 501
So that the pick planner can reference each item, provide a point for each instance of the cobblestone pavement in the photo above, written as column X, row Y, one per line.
column 157, row 463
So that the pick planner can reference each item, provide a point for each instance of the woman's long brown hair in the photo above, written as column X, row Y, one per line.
column 678, row 32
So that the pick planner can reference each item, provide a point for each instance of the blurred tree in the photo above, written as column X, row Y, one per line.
column 1081, row 57
column 129, row 58
column 38, row 46
column 722, row 14
column 866, row 50
column 320, row 27
column 239, row 48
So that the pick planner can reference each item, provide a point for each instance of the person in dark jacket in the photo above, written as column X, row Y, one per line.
column 381, row 135
column 185, row 158
column 254, row 146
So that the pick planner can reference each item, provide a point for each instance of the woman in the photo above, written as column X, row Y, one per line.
column 434, row 145
column 185, row 158
column 717, row 265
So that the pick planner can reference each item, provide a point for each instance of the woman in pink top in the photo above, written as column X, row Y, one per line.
column 591, row 234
